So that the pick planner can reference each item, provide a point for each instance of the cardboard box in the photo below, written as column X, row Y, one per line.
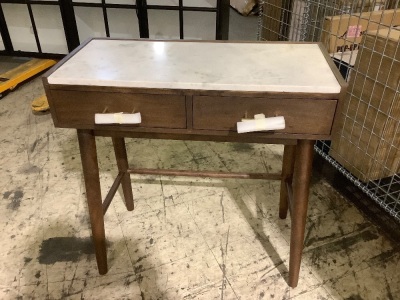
column 271, row 22
column 358, row 6
column 344, row 33
column 369, row 143
column 244, row 7
column 345, row 62
column 286, row 20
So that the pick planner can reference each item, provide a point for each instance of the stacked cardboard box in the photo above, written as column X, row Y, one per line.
column 271, row 23
column 344, row 32
column 357, row 6
column 345, row 62
column 295, row 20
column 369, row 143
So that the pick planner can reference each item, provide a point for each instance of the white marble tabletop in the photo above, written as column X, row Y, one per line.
column 275, row 67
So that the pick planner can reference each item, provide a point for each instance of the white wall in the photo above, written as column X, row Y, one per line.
column 48, row 23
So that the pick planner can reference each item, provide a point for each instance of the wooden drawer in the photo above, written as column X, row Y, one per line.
column 302, row 116
column 77, row 108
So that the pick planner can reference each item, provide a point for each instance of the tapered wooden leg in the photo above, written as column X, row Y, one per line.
column 287, row 174
column 301, row 184
column 87, row 145
column 122, row 163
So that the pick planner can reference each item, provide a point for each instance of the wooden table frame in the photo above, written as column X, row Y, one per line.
column 293, row 197
column 294, row 178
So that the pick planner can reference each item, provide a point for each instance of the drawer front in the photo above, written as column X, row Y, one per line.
column 77, row 109
column 302, row 116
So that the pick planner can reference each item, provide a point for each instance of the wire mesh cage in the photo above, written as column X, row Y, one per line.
column 362, row 37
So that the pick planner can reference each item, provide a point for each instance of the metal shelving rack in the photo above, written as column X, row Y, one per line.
column 304, row 21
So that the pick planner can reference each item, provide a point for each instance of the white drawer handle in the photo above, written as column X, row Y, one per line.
column 260, row 123
column 118, row 118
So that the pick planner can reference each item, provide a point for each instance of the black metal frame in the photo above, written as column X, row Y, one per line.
column 71, row 30
column 221, row 10
column 5, row 35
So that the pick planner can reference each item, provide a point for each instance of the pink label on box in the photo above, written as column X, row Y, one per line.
column 354, row 31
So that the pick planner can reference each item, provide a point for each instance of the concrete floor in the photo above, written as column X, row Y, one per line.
column 9, row 63
column 188, row 238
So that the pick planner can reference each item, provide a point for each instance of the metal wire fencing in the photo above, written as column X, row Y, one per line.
column 362, row 37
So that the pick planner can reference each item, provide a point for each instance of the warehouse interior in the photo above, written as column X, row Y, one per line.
column 202, row 238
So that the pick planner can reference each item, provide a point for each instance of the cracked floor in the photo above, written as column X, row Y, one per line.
column 188, row 238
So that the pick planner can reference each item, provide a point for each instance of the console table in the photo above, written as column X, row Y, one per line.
column 198, row 91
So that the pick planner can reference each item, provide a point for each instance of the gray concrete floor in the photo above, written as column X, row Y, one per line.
column 187, row 238
column 242, row 27
column 8, row 63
